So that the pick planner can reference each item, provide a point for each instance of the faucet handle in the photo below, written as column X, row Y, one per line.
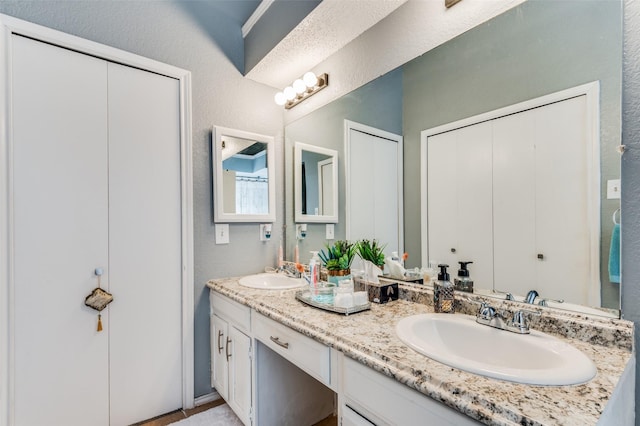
column 543, row 302
column 486, row 311
column 520, row 320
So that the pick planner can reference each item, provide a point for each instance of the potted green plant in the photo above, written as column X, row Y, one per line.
column 337, row 259
column 372, row 254
column 371, row 251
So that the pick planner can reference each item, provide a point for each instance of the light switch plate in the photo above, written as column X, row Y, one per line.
column 222, row 233
column 330, row 232
column 613, row 189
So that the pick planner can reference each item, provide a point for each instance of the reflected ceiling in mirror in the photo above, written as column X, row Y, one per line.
column 316, row 183
column 532, row 50
column 243, row 176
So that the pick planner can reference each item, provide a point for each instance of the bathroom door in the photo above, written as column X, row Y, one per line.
column 96, row 181
column 374, row 186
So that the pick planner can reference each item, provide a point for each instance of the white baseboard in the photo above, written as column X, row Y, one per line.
column 213, row 396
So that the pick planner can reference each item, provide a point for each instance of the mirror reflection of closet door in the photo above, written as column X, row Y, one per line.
column 459, row 206
column 325, row 173
column 374, row 186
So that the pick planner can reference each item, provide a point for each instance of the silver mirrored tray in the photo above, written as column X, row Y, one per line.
column 305, row 296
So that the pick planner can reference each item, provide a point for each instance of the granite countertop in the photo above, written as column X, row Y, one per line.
column 369, row 338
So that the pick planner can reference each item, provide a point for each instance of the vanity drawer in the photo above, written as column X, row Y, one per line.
column 230, row 310
column 384, row 401
column 311, row 356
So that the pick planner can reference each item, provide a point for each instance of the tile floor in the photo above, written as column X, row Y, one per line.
column 178, row 415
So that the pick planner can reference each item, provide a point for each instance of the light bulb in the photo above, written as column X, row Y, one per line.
column 280, row 98
column 299, row 86
column 289, row 93
column 310, row 79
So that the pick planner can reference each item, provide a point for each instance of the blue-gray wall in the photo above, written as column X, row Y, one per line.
column 202, row 37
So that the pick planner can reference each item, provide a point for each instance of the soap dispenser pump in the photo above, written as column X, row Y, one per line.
column 463, row 282
column 443, row 292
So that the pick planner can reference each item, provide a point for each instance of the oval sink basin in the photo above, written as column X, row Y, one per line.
column 268, row 281
column 458, row 341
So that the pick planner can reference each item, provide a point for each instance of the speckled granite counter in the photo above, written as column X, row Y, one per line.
column 369, row 338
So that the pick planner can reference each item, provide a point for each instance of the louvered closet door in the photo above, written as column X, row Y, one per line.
column 60, row 214
column 144, row 245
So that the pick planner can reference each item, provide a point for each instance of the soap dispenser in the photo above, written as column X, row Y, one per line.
column 443, row 292
column 463, row 282
column 314, row 269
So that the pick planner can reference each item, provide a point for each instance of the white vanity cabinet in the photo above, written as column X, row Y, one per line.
column 231, row 354
column 368, row 397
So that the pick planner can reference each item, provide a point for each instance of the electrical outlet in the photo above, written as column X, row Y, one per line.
column 613, row 189
column 222, row 233
column 330, row 232
column 265, row 232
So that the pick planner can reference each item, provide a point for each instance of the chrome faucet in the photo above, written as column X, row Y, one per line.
column 531, row 297
column 290, row 270
column 518, row 323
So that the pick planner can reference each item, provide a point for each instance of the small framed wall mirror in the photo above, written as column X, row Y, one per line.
column 316, row 183
column 243, row 176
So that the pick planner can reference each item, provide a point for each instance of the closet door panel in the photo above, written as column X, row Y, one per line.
column 144, row 244
column 386, row 193
column 442, row 197
column 562, row 213
column 60, row 210
column 514, row 205
column 362, row 192
column 475, row 202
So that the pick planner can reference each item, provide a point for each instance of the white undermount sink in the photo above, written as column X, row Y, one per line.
column 458, row 341
column 271, row 281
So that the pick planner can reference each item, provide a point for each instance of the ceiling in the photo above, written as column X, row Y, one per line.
column 327, row 28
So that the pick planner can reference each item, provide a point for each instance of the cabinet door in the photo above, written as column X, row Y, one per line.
column 240, row 374
column 220, row 366
column 60, row 214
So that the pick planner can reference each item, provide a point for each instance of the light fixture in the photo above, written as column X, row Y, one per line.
column 301, row 89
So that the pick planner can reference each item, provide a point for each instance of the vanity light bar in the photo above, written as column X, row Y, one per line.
column 302, row 89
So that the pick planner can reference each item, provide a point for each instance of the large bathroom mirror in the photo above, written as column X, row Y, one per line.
column 533, row 50
column 316, row 183
column 243, row 176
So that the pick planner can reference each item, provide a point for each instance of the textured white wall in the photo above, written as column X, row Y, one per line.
column 196, row 36
column 631, row 176
column 414, row 28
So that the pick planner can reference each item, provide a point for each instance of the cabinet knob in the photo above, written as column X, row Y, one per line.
column 540, row 256
column 453, row 250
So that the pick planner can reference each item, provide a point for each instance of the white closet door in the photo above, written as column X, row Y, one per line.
column 460, row 200
column 59, row 122
column 442, row 198
column 514, row 212
column 562, row 213
column 362, row 204
column 374, row 205
column 144, row 244
column 475, row 203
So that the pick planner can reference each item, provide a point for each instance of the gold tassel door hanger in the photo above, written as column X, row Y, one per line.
column 98, row 299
